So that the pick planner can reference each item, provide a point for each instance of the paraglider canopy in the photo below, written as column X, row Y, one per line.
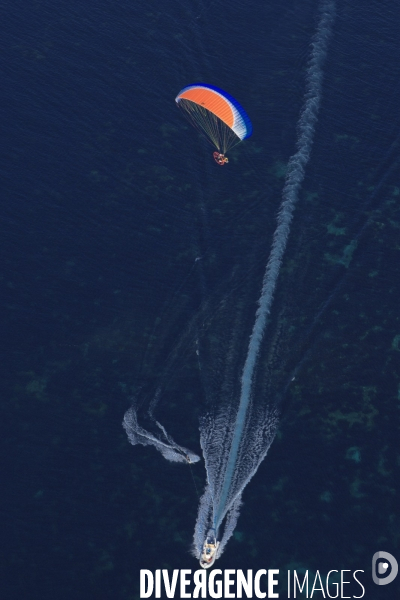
column 218, row 116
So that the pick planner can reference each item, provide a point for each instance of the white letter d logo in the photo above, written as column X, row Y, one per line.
column 382, row 567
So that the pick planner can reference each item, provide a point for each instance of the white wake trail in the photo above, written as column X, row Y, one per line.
column 235, row 443
column 294, row 178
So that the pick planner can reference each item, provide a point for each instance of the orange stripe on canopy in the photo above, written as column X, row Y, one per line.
column 212, row 101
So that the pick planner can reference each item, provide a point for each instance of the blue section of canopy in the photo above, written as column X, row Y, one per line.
column 239, row 107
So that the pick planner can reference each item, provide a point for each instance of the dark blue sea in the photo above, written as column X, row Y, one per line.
column 118, row 228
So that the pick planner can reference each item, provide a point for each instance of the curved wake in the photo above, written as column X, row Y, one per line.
column 234, row 442
column 230, row 489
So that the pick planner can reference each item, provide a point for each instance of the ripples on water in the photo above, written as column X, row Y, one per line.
column 108, row 200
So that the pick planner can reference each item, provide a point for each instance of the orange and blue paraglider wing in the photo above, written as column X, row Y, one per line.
column 216, row 113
